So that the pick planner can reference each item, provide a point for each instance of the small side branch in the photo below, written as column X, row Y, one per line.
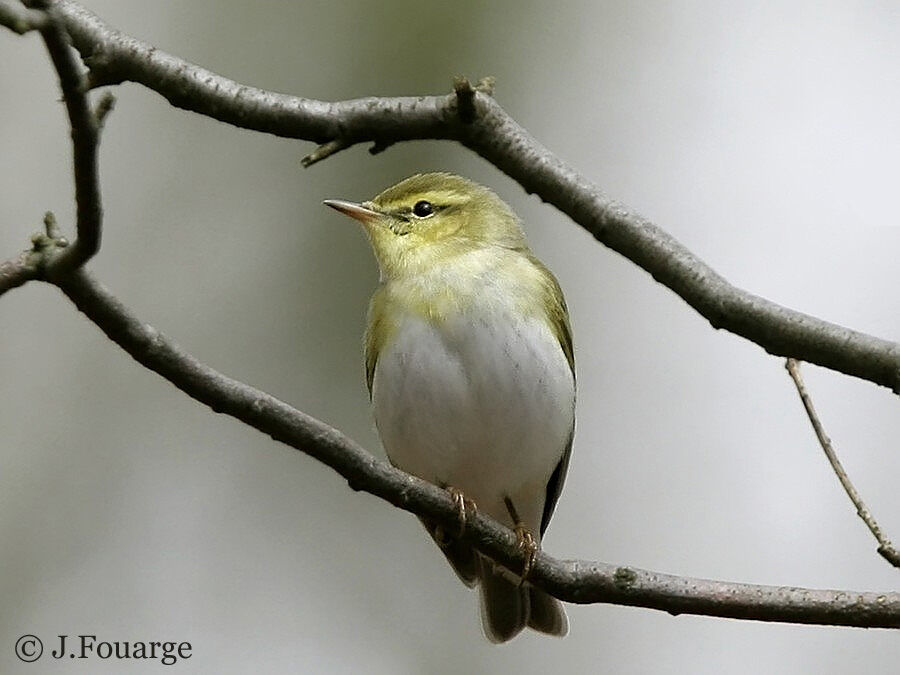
column 465, row 95
column 325, row 151
column 85, row 123
column 885, row 548
column 465, row 99
column 50, row 255
column 32, row 264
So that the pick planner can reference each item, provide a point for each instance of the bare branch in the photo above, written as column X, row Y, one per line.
column 32, row 264
column 104, row 106
column 325, row 151
column 465, row 99
column 379, row 146
column 85, row 139
column 50, row 254
column 114, row 57
column 885, row 548
column 17, row 271
column 465, row 95
column 20, row 19
column 574, row 581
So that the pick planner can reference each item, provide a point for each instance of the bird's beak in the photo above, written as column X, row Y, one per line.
column 360, row 212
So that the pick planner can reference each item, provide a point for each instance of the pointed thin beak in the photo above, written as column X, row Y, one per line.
column 361, row 213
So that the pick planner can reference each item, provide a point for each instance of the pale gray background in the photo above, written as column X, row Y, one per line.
column 765, row 139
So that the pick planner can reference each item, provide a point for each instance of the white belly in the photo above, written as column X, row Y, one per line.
column 485, row 406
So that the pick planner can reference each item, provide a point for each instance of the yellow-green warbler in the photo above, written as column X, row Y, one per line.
column 470, row 370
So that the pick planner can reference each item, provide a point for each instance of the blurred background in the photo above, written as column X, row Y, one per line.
column 765, row 138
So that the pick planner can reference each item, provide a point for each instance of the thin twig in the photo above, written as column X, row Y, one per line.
column 498, row 138
column 574, row 581
column 325, row 151
column 104, row 106
column 85, row 127
column 379, row 146
column 50, row 254
column 885, row 548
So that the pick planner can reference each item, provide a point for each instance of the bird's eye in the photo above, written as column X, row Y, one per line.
column 423, row 209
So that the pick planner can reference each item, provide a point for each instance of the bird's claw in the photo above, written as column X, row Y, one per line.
column 525, row 541
column 465, row 509
column 529, row 547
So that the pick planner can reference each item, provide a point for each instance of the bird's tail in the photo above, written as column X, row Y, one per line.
column 507, row 606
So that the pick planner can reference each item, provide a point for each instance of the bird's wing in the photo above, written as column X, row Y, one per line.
column 555, row 484
column 558, row 318
column 376, row 333
column 557, row 314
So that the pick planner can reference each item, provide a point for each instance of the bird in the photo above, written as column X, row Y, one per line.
column 471, row 375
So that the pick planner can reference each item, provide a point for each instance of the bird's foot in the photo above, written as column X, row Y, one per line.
column 525, row 542
column 465, row 509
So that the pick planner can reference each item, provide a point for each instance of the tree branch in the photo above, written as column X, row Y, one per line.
column 885, row 548
column 51, row 255
column 488, row 130
column 573, row 581
column 20, row 19
column 17, row 271
column 85, row 139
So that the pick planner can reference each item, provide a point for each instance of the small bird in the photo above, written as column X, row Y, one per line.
column 470, row 370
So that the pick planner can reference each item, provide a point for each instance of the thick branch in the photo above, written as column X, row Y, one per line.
column 488, row 130
column 574, row 581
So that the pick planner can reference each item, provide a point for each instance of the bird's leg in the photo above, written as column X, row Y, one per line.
column 464, row 508
column 524, row 541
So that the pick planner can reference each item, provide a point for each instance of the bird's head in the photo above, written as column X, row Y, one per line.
column 430, row 219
